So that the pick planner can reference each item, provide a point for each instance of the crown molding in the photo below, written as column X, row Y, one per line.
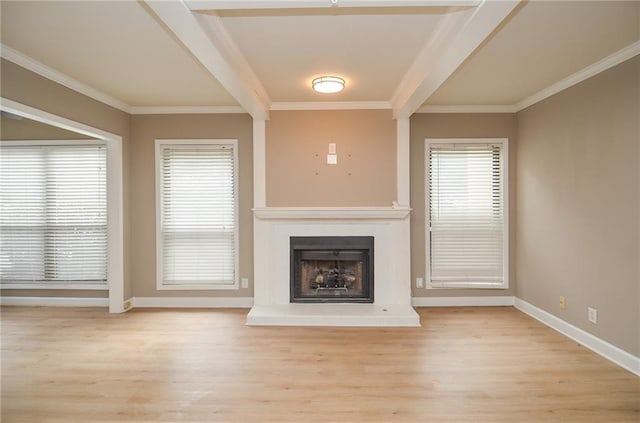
column 299, row 4
column 590, row 71
column 451, row 44
column 331, row 105
column 467, row 109
column 219, row 34
column 183, row 110
column 608, row 62
column 206, row 38
column 45, row 71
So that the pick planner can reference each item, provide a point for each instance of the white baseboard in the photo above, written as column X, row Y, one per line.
column 191, row 302
column 462, row 301
column 595, row 344
column 54, row 301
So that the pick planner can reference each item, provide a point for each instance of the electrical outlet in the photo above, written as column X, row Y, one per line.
column 419, row 283
column 592, row 315
column 563, row 302
column 244, row 283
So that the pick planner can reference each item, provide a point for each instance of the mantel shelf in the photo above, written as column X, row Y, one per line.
column 332, row 213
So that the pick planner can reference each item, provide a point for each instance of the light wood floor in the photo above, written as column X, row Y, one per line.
column 464, row 364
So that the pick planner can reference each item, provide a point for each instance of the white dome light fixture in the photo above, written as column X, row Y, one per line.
column 328, row 84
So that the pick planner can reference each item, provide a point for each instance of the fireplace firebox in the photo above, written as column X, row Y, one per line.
column 335, row 269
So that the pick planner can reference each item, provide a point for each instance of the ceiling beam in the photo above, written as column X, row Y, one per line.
column 211, row 45
column 313, row 4
column 450, row 46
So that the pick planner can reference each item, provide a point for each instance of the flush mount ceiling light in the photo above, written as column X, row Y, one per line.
column 328, row 84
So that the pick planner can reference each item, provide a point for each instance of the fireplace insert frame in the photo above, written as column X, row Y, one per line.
column 333, row 246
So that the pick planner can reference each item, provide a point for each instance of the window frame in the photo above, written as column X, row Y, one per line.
column 161, row 144
column 504, row 161
column 62, row 285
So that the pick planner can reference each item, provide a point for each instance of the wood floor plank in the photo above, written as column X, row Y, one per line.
column 464, row 364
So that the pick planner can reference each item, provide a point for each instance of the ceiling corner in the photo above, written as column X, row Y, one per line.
column 449, row 47
column 211, row 45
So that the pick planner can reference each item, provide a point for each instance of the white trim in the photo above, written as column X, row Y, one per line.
column 222, row 39
column 586, row 73
column 498, row 301
column 452, row 43
column 505, row 199
column 610, row 352
column 159, row 145
column 206, row 38
column 331, row 105
column 183, row 110
column 50, row 119
column 331, row 213
column 467, row 109
column 191, row 302
column 259, row 163
column 403, row 154
column 291, row 4
column 115, row 225
column 115, row 205
column 590, row 71
column 54, row 301
column 43, row 70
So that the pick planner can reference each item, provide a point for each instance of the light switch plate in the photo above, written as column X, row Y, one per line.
column 332, row 159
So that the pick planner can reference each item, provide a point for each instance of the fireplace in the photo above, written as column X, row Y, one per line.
column 331, row 269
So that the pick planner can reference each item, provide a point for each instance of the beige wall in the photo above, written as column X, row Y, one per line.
column 27, row 129
column 296, row 158
column 23, row 86
column 578, row 189
column 455, row 126
column 145, row 129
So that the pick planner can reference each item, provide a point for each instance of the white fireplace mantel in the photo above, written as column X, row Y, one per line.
column 331, row 213
column 390, row 227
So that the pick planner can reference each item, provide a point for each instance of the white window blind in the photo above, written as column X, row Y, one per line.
column 466, row 214
column 53, row 214
column 197, row 216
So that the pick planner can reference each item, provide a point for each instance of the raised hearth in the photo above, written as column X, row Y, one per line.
column 388, row 227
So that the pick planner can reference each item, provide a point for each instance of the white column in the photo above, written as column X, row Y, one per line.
column 402, row 161
column 259, row 164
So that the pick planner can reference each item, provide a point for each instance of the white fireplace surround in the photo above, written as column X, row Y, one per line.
column 390, row 226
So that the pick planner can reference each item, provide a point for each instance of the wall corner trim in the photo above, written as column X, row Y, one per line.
column 495, row 301
column 610, row 352
column 191, row 302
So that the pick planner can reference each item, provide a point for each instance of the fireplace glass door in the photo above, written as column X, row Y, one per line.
column 332, row 269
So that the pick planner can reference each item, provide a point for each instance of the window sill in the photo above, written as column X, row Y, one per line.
column 64, row 286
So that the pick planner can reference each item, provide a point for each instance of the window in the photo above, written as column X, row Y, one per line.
column 197, row 233
column 466, row 211
column 53, row 214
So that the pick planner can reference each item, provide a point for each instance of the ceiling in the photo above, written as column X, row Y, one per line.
column 262, row 55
